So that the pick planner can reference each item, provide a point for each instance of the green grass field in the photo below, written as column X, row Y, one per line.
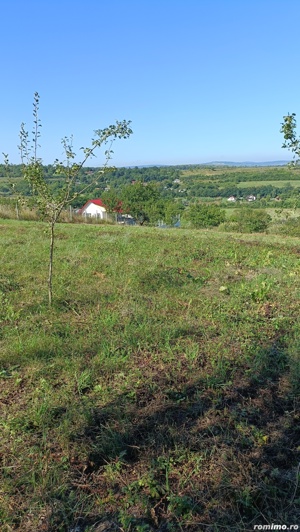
column 266, row 172
column 161, row 390
column 275, row 213
column 283, row 183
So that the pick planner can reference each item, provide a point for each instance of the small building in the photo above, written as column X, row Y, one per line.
column 94, row 208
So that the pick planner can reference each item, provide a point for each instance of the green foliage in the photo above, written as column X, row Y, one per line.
column 289, row 227
column 291, row 142
column 203, row 216
column 172, row 211
column 266, row 183
column 111, row 200
column 141, row 201
column 145, row 203
column 119, row 177
column 49, row 200
column 249, row 220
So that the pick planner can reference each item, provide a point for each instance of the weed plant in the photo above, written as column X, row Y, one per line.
column 161, row 390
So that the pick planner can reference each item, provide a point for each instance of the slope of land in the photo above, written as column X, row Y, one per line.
column 161, row 391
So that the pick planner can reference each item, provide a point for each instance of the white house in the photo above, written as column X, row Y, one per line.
column 94, row 207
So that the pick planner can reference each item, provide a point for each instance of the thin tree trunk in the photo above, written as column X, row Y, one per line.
column 52, row 224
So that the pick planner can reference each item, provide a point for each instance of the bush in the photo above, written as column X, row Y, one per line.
column 289, row 227
column 203, row 216
column 251, row 220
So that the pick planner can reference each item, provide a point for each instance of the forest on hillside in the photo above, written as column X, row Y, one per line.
column 185, row 183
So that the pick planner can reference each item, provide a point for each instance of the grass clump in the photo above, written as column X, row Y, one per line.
column 161, row 390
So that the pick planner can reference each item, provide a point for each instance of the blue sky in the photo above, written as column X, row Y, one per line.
column 201, row 80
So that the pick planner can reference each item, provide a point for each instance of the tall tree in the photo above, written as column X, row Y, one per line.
column 138, row 199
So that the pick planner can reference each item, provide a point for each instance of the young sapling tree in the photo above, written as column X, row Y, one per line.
column 51, row 203
column 291, row 142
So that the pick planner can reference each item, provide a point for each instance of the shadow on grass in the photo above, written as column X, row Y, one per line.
column 192, row 457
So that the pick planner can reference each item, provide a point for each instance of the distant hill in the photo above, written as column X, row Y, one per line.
column 213, row 163
column 245, row 163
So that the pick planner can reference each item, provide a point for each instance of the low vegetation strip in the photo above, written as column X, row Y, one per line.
column 160, row 392
column 246, row 184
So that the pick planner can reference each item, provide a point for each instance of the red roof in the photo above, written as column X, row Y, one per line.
column 96, row 201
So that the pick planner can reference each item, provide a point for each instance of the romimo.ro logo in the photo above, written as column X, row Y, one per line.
column 276, row 527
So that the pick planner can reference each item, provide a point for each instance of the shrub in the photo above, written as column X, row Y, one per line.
column 251, row 220
column 203, row 216
column 289, row 227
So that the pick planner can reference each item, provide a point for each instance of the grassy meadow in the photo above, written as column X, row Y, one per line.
column 278, row 183
column 161, row 390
